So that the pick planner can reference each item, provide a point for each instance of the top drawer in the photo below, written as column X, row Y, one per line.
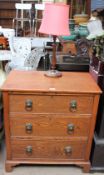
column 51, row 104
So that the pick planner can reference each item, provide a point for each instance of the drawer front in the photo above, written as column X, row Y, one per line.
column 48, row 149
column 51, row 104
column 49, row 125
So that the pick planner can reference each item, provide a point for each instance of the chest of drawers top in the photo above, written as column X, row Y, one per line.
column 36, row 82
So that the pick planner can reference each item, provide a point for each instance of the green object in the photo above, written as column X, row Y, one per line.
column 83, row 31
column 71, row 24
column 70, row 37
column 73, row 33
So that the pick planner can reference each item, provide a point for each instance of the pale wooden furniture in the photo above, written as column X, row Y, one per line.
column 23, row 15
column 20, row 49
column 49, row 120
column 39, row 8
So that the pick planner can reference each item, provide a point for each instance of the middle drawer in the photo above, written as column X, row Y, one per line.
column 49, row 125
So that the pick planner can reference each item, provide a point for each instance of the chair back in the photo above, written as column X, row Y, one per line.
column 22, row 6
column 22, row 46
column 23, row 11
column 39, row 6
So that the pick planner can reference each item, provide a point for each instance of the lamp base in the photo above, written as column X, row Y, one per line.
column 53, row 73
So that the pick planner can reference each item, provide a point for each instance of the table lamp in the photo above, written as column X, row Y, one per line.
column 55, row 22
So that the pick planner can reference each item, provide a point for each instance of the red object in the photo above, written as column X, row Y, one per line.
column 55, row 19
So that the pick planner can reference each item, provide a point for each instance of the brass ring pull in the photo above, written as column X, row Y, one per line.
column 73, row 105
column 70, row 128
column 68, row 150
column 28, row 104
column 29, row 149
column 28, row 127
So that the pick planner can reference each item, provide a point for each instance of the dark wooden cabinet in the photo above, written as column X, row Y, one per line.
column 97, row 153
column 100, row 119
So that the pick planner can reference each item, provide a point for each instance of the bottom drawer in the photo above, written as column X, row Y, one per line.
column 48, row 149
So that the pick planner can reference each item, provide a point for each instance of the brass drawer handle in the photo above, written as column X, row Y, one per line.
column 68, row 150
column 28, row 127
column 70, row 128
column 73, row 105
column 28, row 104
column 29, row 149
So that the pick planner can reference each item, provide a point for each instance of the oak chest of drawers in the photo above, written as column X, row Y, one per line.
column 49, row 120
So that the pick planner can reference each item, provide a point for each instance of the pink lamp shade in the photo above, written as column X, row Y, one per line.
column 55, row 19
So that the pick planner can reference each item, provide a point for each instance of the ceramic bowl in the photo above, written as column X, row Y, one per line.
column 70, row 37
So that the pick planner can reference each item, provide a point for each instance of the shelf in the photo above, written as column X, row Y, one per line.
column 76, row 8
column 7, row 12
